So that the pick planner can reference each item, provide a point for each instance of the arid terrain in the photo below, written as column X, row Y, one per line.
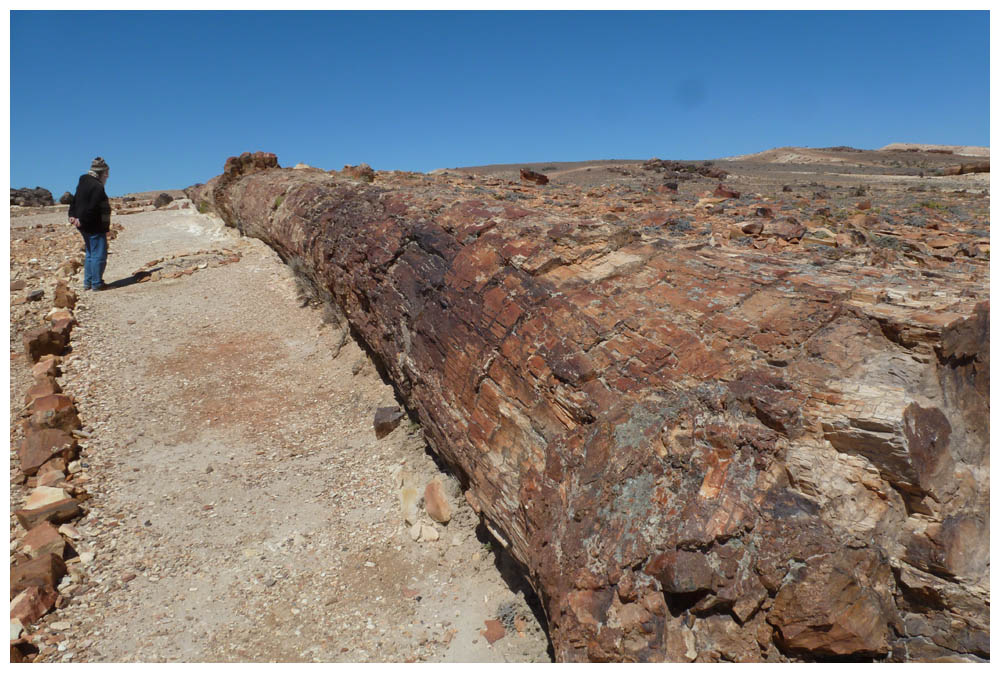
column 232, row 500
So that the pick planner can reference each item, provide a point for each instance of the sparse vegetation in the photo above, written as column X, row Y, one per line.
column 890, row 242
column 679, row 225
column 277, row 202
column 204, row 208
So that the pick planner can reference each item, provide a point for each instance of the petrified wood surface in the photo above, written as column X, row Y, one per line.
column 701, row 444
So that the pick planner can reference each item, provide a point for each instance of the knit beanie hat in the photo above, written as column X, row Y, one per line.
column 98, row 167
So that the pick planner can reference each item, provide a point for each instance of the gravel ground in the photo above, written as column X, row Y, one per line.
column 242, row 508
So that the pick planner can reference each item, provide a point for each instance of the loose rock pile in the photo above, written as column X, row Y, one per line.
column 39, row 196
column 683, row 171
column 361, row 172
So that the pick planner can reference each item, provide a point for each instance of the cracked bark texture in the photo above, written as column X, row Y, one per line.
column 698, row 453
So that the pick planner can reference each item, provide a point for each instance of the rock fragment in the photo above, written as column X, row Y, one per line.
column 43, row 539
column 44, row 495
column 47, row 367
column 32, row 604
column 43, row 572
column 55, row 411
column 436, row 502
column 494, row 631
column 39, row 446
column 64, row 296
column 362, row 172
column 43, row 388
column 826, row 610
column 409, row 499
column 528, row 175
column 59, row 511
column 386, row 420
column 43, row 341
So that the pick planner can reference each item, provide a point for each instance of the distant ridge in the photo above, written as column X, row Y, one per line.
column 844, row 154
column 963, row 150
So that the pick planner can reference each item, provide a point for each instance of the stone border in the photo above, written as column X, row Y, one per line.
column 49, row 465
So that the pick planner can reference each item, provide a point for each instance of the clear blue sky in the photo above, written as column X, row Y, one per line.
column 165, row 97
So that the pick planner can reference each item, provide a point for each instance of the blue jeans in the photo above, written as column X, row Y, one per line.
column 96, row 259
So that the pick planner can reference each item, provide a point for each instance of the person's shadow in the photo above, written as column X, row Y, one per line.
column 130, row 280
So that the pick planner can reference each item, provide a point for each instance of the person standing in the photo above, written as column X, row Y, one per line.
column 90, row 213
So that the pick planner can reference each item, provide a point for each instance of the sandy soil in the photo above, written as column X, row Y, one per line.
column 243, row 509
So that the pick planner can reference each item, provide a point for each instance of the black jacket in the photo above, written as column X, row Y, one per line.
column 90, row 205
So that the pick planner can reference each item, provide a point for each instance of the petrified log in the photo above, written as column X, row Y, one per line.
column 697, row 452
column 528, row 175
column 725, row 192
column 963, row 169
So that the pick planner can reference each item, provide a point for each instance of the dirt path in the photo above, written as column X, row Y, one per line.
column 242, row 508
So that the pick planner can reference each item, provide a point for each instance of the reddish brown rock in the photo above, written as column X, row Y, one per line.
column 56, row 464
column 361, row 172
column 528, row 175
column 33, row 603
column 70, row 266
column 53, row 411
column 43, row 539
column 40, row 445
column 56, row 512
column 725, row 192
column 43, row 341
column 436, row 502
column 838, row 605
column 43, row 388
column 57, row 314
column 493, row 632
column 683, row 440
column 64, row 296
column 788, row 230
column 41, row 496
column 47, row 367
column 62, row 328
column 49, row 477
column 386, row 420
column 249, row 163
column 43, row 572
